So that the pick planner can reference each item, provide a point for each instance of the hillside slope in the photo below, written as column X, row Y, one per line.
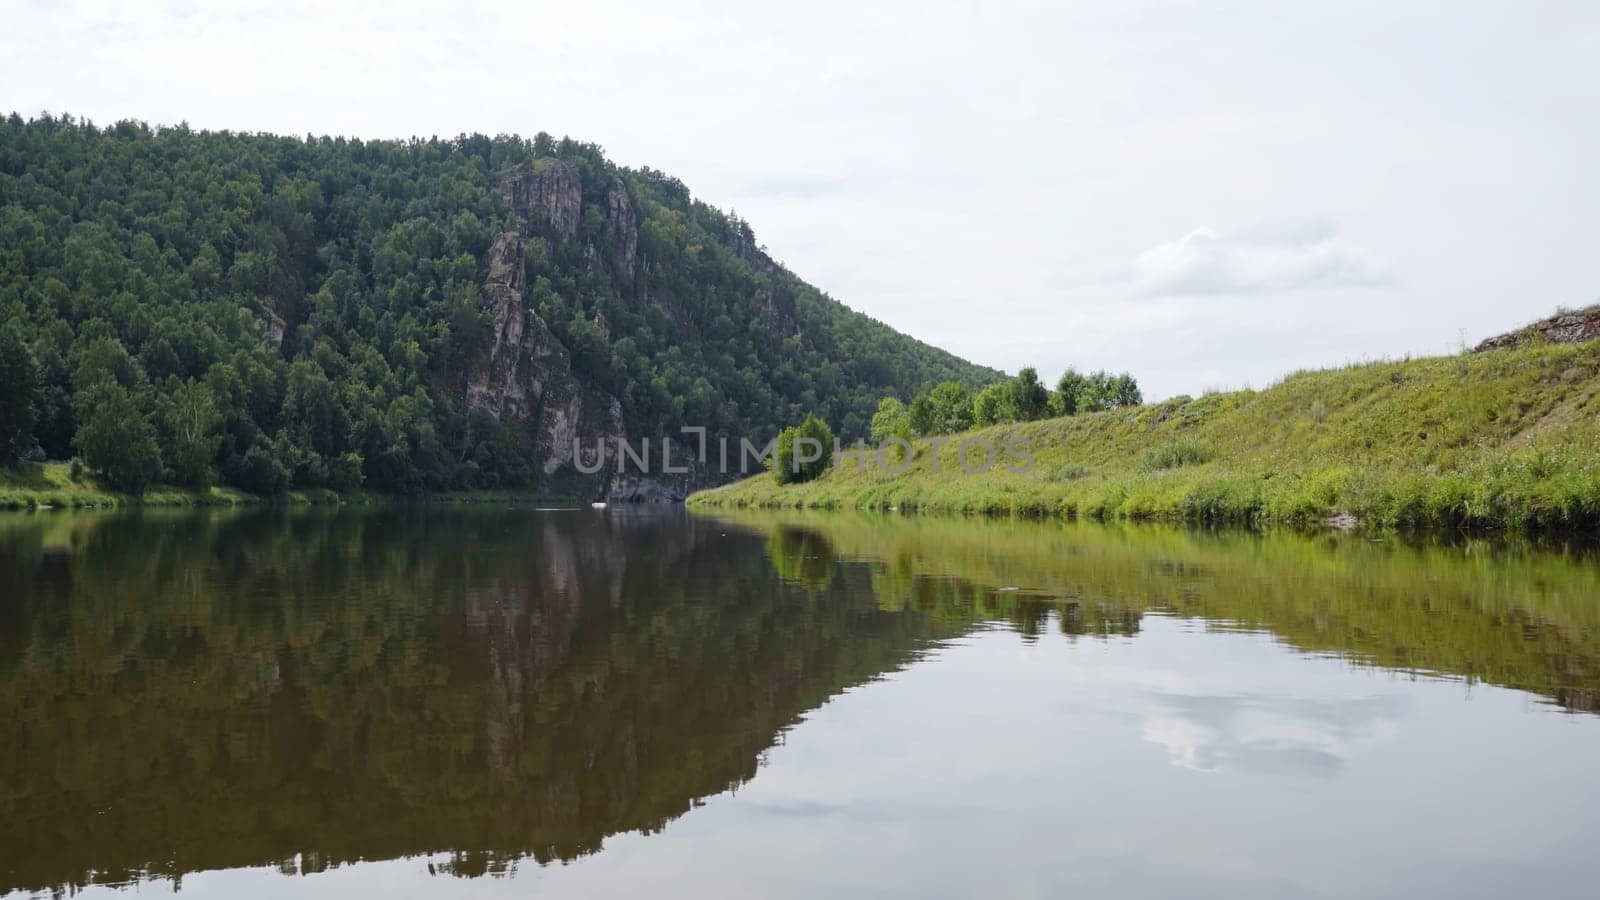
column 405, row 316
column 1489, row 439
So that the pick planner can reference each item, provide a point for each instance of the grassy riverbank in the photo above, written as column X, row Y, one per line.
column 1501, row 439
column 51, row 485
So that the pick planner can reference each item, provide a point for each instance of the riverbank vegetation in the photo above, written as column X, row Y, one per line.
column 951, row 407
column 59, row 485
column 1497, row 439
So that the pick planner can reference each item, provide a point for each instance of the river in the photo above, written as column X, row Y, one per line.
column 469, row 701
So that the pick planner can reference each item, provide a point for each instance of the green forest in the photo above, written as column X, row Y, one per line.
column 266, row 312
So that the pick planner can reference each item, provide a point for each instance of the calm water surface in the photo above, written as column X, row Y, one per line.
column 511, row 702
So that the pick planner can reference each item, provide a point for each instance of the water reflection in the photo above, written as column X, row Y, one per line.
column 201, row 693
column 184, row 693
column 1265, row 733
column 1503, row 612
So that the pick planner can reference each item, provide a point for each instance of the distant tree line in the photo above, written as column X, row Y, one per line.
column 952, row 406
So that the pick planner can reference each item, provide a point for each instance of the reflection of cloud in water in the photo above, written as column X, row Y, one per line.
column 1267, row 735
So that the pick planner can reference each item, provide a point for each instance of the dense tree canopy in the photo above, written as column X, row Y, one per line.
column 19, row 394
column 1095, row 392
column 281, row 312
column 951, row 407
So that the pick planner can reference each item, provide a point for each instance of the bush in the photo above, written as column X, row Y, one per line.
column 992, row 406
column 1173, row 456
column 1069, row 472
column 793, row 463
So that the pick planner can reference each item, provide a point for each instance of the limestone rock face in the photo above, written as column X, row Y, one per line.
column 1564, row 328
column 546, row 196
column 528, row 377
column 622, row 227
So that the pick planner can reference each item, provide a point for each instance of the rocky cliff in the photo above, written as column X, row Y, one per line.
column 1563, row 328
column 528, row 375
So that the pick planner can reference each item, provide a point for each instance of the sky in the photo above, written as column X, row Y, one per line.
column 1209, row 195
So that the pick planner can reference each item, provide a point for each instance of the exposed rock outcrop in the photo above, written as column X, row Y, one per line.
column 622, row 227
column 528, row 376
column 1563, row 328
column 546, row 196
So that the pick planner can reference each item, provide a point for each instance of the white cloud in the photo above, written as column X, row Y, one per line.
column 1279, row 259
column 1267, row 734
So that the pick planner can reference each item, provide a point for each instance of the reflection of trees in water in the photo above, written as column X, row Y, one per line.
column 186, row 692
column 801, row 556
column 205, row 692
column 1504, row 612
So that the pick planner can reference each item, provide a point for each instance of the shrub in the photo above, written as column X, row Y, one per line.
column 992, row 406
column 1173, row 456
column 792, row 462
column 1069, row 472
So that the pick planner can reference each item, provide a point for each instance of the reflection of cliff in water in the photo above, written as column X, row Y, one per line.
column 194, row 693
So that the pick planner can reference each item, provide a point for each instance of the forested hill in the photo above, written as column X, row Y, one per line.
column 277, row 312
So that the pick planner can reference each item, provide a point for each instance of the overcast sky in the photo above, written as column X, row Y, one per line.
column 1207, row 194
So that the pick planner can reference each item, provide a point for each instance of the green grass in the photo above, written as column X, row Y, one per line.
column 51, row 485
column 1502, row 439
column 1173, row 456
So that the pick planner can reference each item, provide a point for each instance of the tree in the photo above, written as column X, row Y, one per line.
column 892, row 420
column 190, row 423
column 1125, row 391
column 317, row 424
column 804, row 452
column 115, row 436
column 20, row 395
column 921, row 414
column 1067, row 399
column 1095, row 392
column 951, row 408
column 1029, row 398
column 992, row 405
